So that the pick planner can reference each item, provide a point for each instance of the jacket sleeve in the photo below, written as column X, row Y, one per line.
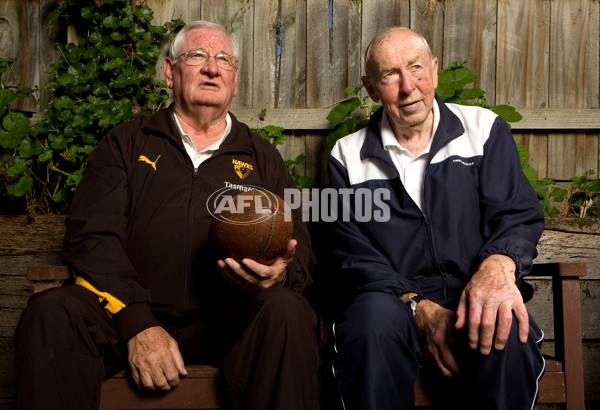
column 512, row 218
column 92, row 248
column 362, row 267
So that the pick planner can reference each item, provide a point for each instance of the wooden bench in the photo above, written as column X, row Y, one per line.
column 562, row 382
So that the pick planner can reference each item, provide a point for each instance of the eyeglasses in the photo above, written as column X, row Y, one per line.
column 200, row 57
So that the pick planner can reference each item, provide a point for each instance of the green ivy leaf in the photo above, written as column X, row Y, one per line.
column 18, row 168
column 53, row 15
column 27, row 149
column 113, row 64
column 353, row 90
column 8, row 140
column 472, row 94
column 111, row 22
column 58, row 142
column 45, row 155
column 20, row 187
column 7, row 96
column 591, row 185
column 126, row 22
column 530, row 173
column 523, row 152
column 144, row 12
column 117, row 36
column 559, row 194
column 157, row 30
column 17, row 125
column 60, row 196
column 87, row 13
column 341, row 130
column 540, row 189
column 510, row 114
column 343, row 110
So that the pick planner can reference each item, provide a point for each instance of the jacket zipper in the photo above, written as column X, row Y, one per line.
column 430, row 242
column 190, row 224
column 430, row 245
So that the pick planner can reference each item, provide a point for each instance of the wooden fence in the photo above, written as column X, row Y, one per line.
column 541, row 56
column 297, row 56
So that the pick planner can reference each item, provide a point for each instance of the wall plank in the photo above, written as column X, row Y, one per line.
column 237, row 16
column 574, row 82
column 427, row 18
column 318, row 73
column 470, row 34
column 291, row 73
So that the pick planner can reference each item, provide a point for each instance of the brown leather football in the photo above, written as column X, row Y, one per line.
column 256, row 224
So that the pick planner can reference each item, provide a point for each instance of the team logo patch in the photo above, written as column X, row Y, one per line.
column 145, row 159
column 241, row 168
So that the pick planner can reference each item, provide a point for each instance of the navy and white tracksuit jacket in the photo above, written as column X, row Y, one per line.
column 476, row 202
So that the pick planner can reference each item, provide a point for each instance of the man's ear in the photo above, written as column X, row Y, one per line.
column 168, row 69
column 235, row 91
column 434, row 71
column 370, row 89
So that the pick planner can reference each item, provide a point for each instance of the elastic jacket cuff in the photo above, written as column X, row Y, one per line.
column 132, row 319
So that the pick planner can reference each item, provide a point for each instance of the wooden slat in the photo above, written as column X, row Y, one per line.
column 291, row 80
column 167, row 10
column 19, row 38
column 35, row 273
column 316, row 118
column 470, row 34
column 345, row 61
column 521, row 72
column 379, row 14
column 427, row 18
column 318, row 72
column 575, row 23
column 523, row 53
column 569, row 289
column 197, row 390
column 552, row 384
column 266, row 27
column 237, row 16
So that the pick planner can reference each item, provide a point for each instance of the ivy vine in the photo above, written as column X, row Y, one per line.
column 107, row 78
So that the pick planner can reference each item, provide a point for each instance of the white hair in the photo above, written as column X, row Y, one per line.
column 174, row 49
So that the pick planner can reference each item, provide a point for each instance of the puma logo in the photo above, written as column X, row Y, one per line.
column 145, row 159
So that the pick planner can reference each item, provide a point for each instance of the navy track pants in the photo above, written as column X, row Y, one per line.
column 379, row 356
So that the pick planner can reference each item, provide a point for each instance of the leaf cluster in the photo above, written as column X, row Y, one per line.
column 16, row 147
column 274, row 134
column 547, row 193
column 105, row 79
column 342, row 114
column 584, row 195
column 452, row 88
column 301, row 181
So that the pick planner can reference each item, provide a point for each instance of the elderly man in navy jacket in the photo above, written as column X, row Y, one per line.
column 434, row 276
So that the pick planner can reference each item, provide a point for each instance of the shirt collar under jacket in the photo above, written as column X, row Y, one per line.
column 199, row 157
column 388, row 139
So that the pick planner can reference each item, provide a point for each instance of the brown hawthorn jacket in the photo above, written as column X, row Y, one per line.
column 137, row 228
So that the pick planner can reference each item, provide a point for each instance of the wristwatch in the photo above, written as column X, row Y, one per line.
column 413, row 302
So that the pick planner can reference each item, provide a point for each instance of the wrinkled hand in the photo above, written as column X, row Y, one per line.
column 437, row 324
column 487, row 303
column 155, row 360
column 251, row 274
